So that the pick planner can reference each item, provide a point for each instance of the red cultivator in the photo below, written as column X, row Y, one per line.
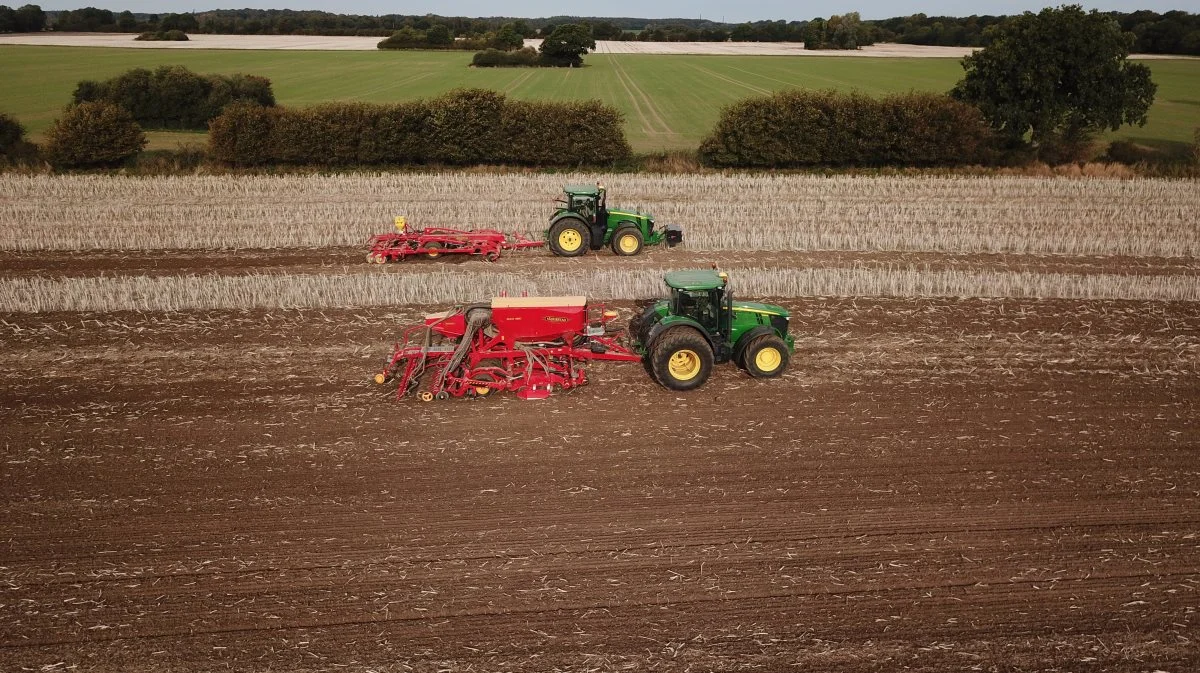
column 530, row 345
column 436, row 241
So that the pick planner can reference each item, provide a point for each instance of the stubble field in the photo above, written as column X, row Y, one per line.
column 982, row 457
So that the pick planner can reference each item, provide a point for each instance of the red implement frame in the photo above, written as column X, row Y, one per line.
column 435, row 242
column 482, row 360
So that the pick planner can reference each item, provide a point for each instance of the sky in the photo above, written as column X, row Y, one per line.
column 728, row 11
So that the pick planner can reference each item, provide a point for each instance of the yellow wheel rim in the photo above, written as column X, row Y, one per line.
column 628, row 244
column 684, row 365
column 482, row 391
column 569, row 240
column 768, row 359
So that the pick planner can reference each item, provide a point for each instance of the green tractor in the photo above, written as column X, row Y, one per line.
column 584, row 222
column 700, row 324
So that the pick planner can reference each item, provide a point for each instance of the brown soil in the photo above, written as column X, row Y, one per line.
column 944, row 485
column 343, row 260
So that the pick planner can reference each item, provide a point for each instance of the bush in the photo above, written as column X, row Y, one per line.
column 174, row 97
column 807, row 128
column 471, row 126
column 93, row 134
column 562, row 134
column 12, row 134
column 241, row 134
column 1130, row 153
column 163, row 36
column 494, row 58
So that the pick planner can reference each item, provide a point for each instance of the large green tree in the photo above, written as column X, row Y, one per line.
column 567, row 44
column 1056, row 78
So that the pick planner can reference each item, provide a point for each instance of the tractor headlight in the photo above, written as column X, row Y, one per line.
column 780, row 324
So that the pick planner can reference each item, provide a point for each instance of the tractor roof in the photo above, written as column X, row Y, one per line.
column 582, row 190
column 697, row 279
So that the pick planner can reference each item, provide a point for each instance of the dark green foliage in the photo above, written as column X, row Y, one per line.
column 508, row 38
column 463, row 127
column 25, row 19
column 405, row 38
column 1174, row 32
column 439, row 37
column 174, row 97
column 180, row 22
column 808, row 128
column 943, row 31
column 242, row 134
column 527, row 57
column 845, row 31
column 12, row 134
column 88, row 19
column 567, row 45
column 556, row 134
column 1057, row 77
column 163, row 36
column 769, row 31
column 93, row 134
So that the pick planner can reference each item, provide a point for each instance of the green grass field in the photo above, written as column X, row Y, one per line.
column 669, row 102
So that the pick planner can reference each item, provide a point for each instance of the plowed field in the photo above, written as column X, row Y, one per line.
column 935, row 484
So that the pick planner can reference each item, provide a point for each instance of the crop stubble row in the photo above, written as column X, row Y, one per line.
column 273, row 291
column 719, row 212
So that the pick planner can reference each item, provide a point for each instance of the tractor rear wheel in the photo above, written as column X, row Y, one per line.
column 569, row 238
column 627, row 241
column 681, row 359
column 766, row 357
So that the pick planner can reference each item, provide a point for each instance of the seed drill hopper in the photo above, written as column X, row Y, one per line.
column 530, row 345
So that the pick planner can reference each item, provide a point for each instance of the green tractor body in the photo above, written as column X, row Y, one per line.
column 584, row 222
column 700, row 325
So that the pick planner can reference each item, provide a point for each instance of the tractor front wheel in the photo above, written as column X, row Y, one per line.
column 627, row 241
column 569, row 238
column 681, row 359
column 766, row 357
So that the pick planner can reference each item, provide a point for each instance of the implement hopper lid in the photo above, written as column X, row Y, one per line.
column 539, row 302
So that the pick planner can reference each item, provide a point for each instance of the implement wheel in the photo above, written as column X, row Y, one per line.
column 681, row 359
column 627, row 241
column 569, row 238
column 434, row 250
column 478, row 375
column 766, row 357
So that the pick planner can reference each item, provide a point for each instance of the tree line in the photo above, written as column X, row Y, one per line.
column 1174, row 32
column 1013, row 105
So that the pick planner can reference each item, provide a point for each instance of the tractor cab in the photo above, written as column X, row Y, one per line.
column 702, row 296
column 586, row 201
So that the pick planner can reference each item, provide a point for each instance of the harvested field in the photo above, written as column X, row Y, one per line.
column 351, row 43
column 1145, row 218
column 992, row 469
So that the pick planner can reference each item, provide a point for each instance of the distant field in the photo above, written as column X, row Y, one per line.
column 669, row 101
